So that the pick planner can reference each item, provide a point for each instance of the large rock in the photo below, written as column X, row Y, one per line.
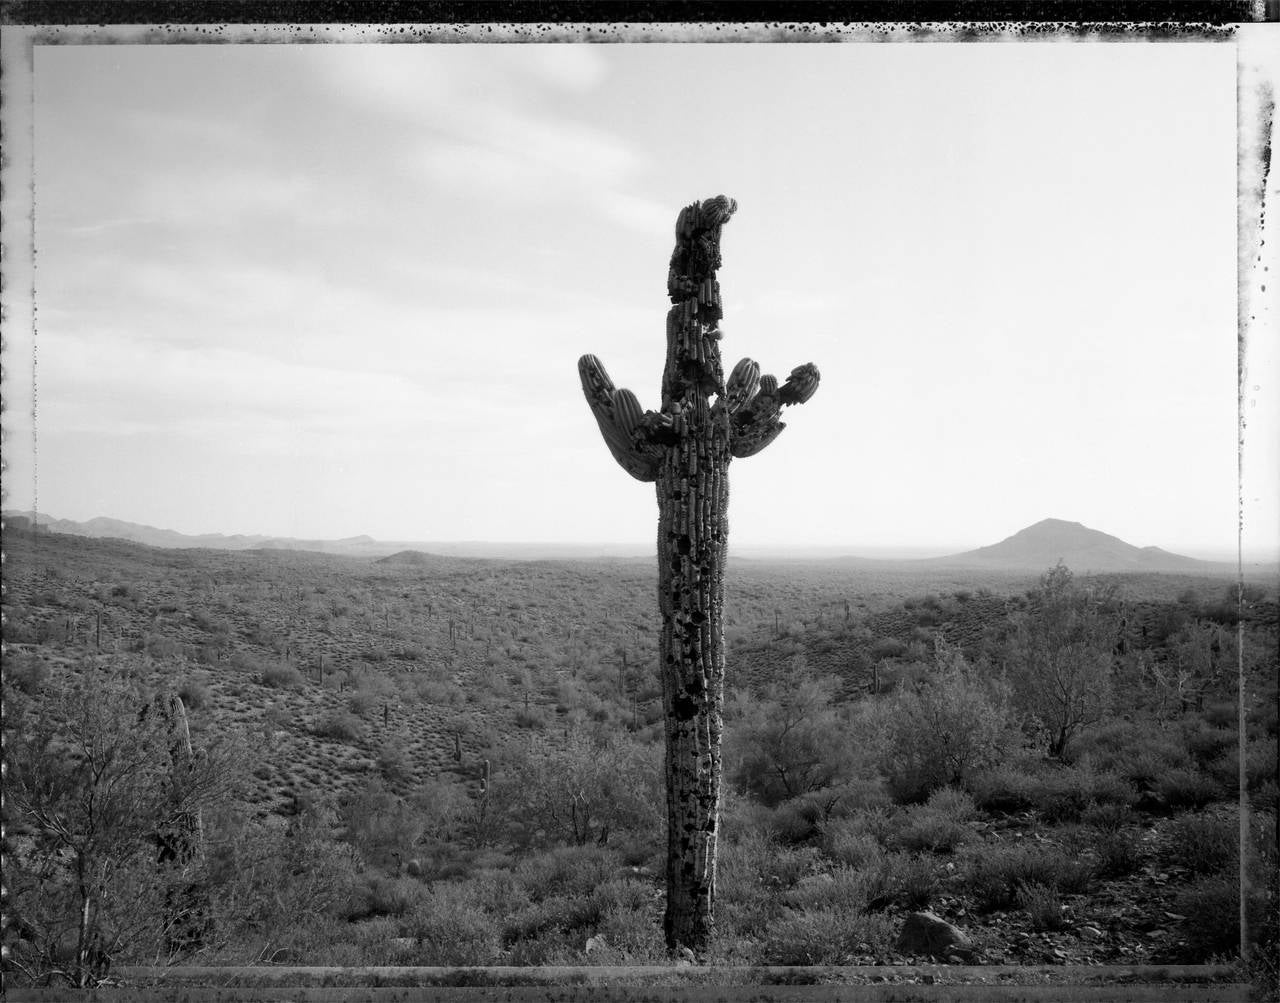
column 925, row 933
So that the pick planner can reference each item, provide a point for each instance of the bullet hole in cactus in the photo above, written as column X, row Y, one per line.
column 685, row 708
column 684, row 544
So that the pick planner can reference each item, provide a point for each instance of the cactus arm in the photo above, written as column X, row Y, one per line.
column 755, row 423
column 618, row 414
column 801, row 385
column 743, row 384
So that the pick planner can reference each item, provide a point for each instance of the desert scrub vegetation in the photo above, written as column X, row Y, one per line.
column 836, row 822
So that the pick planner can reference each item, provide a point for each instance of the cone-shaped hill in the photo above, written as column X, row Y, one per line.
column 1079, row 547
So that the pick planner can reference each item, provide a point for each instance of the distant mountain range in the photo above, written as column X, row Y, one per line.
column 1037, row 547
column 117, row 529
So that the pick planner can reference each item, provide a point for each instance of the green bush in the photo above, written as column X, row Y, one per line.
column 993, row 874
column 573, row 871
column 943, row 732
column 842, row 888
column 1208, row 743
column 1211, row 929
column 281, row 676
column 384, row 896
column 925, row 829
column 824, row 937
column 26, row 671
column 1064, row 794
column 634, row 938
column 393, row 762
column 193, row 694
column 1119, row 854
column 1204, row 844
column 1003, row 789
column 1108, row 817
column 850, row 842
column 914, row 879
column 1188, row 788
column 1043, row 906
column 340, row 726
column 450, row 930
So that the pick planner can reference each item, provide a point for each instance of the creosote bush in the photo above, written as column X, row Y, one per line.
column 1206, row 844
column 281, row 676
column 824, row 937
column 994, row 874
column 341, row 726
column 1043, row 905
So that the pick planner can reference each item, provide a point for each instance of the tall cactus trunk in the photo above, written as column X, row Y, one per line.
column 693, row 527
column 686, row 448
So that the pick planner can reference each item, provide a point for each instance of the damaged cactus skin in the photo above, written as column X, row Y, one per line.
column 685, row 448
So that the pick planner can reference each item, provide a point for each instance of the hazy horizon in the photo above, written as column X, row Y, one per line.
column 638, row 548
column 326, row 291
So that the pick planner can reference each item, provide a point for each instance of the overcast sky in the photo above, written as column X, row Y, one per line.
column 329, row 290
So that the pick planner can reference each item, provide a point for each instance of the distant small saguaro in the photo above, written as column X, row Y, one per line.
column 685, row 449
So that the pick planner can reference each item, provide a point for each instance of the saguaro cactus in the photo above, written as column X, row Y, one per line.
column 685, row 447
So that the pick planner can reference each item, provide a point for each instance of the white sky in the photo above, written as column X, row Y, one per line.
column 326, row 290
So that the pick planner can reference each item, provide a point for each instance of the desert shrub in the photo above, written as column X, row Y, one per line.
column 566, row 871
column 1062, row 796
column 555, row 914
column 913, row 879
column 1043, row 905
column 451, row 930
column 193, row 694
column 802, row 818
column 1003, row 789
column 384, row 896
column 382, row 826
column 848, row 842
column 841, row 888
column 955, row 724
column 993, row 874
column 1211, row 929
column 1267, row 797
column 531, row 719
column 578, row 792
column 362, row 702
column 1188, row 788
column 888, row 647
column 158, row 646
column 937, row 826
column 340, row 726
column 791, row 739
column 1061, row 650
column 1208, row 743
column 825, row 937
column 788, row 865
column 1205, row 844
column 1119, row 854
column 281, row 676
column 368, row 942
column 634, row 935
column 393, row 761
column 1108, row 817
column 496, row 891
column 26, row 671
column 928, row 831
column 1139, row 755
